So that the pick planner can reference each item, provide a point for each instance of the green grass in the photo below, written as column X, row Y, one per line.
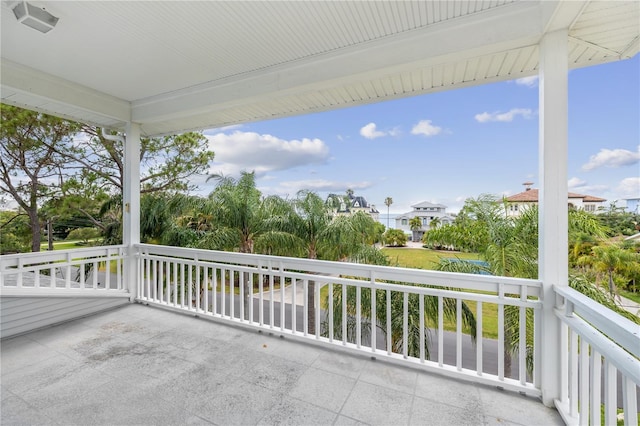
column 64, row 245
column 630, row 295
column 420, row 258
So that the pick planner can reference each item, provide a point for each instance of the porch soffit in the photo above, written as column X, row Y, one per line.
column 176, row 66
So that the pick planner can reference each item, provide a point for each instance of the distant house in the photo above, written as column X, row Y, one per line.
column 427, row 212
column 350, row 204
column 516, row 203
column 633, row 205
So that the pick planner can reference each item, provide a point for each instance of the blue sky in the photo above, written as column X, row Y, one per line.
column 447, row 146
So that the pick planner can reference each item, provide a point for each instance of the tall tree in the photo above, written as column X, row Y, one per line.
column 387, row 202
column 31, row 167
column 415, row 223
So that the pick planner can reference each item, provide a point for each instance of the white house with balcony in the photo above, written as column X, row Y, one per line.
column 204, row 336
column 515, row 204
column 428, row 213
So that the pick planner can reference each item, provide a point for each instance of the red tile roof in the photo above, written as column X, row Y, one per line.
column 531, row 196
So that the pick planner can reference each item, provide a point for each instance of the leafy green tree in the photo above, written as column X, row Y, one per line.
column 83, row 234
column 31, row 166
column 15, row 234
column 395, row 237
column 435, row 222
column 308, row 229
column 415, row 224
column 611, row 260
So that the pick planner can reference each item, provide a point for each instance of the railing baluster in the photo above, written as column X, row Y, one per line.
column 316, row 301
column 459, row 334
column 522, row 341
column 440, row 331
column 344, row 312
column 501, row 342
column 241, row 284
column 214, row 290
column 232, row 293
column 176, row 265
column 583, row 398
column 107, row 279
column 206, row 289
column 223, row 298
column 161, row 281
column 168, row 280
column 595, row 365
column 388, row 322
column 190, row 287
column 565, row 352
column 331, row 317
column 67, row 280
column 282, row 301
column 271, row 296
column 630, row 405
column 305, row 307
column 261, row 294
column 573, row 374
column 373, row 316
column 610, row 393
column 405, row 324
column 250, row 307
column 479, row 338
column 422, row 326
column 358, row 317
column 294, row 304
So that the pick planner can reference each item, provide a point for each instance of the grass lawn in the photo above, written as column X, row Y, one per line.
column 421, row 258
column 63, row 245
column 630, row 295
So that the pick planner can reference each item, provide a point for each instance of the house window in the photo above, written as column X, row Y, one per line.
column 404, row 221
column 425, row 221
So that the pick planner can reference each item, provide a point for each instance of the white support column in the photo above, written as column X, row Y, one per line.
column 131, row 204
column 553, row 215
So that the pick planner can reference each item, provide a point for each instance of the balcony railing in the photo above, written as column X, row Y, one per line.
column 372, row 310
column 598, row 348
column 382, row 305
column 96, row 268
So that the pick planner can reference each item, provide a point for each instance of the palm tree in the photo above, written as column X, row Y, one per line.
column 610, row 260
column 308, row 229
column 415, row 223
column 387, row 202
column 435, row 222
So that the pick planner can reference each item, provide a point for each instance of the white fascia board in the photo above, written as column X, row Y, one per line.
column 496, row 30
column 46, row 87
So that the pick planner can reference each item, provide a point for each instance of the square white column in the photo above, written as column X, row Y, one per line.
column 553, row 227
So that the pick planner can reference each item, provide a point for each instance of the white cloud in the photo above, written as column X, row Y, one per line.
column 575, row 182
column 263, row 153
column 612, row 158
column 426, row 128
column 629, row 187
column 531, row 81
column 370, row 132
column 323, row 185
column 504, row 116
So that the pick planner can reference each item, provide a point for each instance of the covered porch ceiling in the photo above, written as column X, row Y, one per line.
column 173, row 66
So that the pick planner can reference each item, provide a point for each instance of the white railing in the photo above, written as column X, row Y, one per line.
column 95, row 268
column 272, row 293
column 600, row 362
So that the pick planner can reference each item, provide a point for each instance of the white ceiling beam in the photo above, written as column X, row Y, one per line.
column 490, row 31
column 46, row 88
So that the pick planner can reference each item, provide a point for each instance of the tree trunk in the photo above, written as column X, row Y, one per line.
column 34, row 223
column 50, row 234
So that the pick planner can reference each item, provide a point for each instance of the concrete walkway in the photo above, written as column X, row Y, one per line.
column 629, row 305
column 142, row 365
